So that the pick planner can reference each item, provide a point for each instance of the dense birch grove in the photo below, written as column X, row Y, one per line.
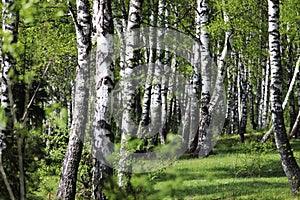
column 88, row 85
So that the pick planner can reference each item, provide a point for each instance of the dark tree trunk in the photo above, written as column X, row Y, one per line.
column 242, row 100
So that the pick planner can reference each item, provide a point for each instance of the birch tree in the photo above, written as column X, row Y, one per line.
column 265, row 108
column 288, row 161
column 165, row 77
column 242, row 98
column 131, row 58
column 205, row 60
column 67, row 185
column 146, row 101
column 192, row 113
column 104, row 83
column 156, row 96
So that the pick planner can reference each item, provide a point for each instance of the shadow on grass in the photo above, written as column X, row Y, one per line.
column 227, row 190
column 270, row 168
column 208, row 179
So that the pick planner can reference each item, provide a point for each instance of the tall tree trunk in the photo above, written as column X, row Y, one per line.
column 165, row 83
column 104, row 83
column 234, row 114
column 265, row 110
column 288, row 161
column 163, row 57
column 206, row 62
column 217, row 104
column 235, row 109
column 146, row 101
column 289, row 68
column 156, row 96
column 132, row 55
column 262, row 94
column 242, row 98
column 193, row 92
column 230, row 100
column 258, row 98
column 251, row 99
column 67, row 185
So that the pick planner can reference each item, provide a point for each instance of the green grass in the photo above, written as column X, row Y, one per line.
column 234, row 171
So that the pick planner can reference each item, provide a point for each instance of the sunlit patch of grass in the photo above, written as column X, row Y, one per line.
column 215, row 177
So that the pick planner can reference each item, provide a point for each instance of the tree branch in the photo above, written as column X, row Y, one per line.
column 73, row 15
column 35, row 92
column 11, row 194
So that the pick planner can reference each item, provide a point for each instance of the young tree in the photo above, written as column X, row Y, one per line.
column 67, row 185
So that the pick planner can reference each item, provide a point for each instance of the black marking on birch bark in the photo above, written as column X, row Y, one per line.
column 105, row 81
column 103, row 124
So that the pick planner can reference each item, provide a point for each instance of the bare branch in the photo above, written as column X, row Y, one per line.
column 35, row 92
column 8, row 187
column 73, row 15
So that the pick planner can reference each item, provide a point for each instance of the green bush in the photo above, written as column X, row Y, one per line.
column 250, row 162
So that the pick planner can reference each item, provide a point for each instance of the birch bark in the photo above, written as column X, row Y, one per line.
column 104, row 83
column 132, row 55
column 67, row 185
column 156, row 96
column 288, row 161
column 205, row 59
column 145, row 117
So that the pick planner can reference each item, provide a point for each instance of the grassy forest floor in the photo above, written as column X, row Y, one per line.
column 234, row 171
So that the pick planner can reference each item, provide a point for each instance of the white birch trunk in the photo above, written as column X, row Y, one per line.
column 203, row 146
column 145, row 118
column 104, row 83
column 156, row 101
column 288, row 161
column 193, row 91
column 165, row 78
column 67, row 185
column 128, row 127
